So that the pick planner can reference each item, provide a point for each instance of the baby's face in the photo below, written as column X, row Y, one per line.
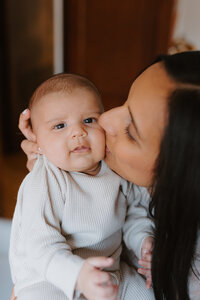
column 67, row 130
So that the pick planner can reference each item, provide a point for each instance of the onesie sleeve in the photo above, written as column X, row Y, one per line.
column 38, row 217
column 138, row 224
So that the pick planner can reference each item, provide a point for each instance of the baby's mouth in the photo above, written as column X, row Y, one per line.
column 81, row 149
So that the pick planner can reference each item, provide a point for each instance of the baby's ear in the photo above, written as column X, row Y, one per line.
column 31, row 136
column 31, row 132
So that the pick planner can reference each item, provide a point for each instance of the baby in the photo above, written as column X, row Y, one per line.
column 72, row 211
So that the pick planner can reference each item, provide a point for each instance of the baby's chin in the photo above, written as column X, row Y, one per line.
column 92, row 169
column 78, row 163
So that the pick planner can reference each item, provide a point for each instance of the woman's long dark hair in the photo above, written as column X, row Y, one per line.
column 175, row 201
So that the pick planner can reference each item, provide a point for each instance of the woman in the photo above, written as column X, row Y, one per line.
column 153, row 140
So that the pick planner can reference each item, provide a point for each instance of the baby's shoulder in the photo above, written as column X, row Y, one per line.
column 45, row 174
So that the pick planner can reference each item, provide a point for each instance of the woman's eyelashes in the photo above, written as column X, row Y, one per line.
column 129, row 135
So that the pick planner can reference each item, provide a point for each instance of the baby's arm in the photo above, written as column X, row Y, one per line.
column 138, row 224
column 138, row 229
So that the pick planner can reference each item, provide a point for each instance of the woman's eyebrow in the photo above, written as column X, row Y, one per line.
column 134, row 123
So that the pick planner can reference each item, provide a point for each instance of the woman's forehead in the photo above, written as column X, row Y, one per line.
column 148, row 99
column 152, row 87
column 153, row 79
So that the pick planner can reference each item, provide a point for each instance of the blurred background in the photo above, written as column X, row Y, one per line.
column 107, row 41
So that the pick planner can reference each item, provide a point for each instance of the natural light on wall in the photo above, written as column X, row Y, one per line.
column 187, row 25
column 58, row 44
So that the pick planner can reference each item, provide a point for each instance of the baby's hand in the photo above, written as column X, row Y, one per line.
column 145, row 261
column 94, row 283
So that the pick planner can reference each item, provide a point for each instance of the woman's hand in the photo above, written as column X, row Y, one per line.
column 94, row 283
column 24, row 125
column 29, row 146
column 145, row 261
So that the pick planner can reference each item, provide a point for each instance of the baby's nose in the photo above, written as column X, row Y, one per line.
column 78, row 131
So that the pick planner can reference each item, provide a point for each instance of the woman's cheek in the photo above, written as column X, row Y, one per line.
column 127, row 153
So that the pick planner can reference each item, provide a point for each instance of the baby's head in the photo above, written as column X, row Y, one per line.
column 64, row 117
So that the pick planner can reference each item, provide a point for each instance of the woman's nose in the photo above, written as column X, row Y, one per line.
column 78, row 131
column 110, row 120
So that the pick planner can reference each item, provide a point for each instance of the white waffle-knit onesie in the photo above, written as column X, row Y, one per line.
column 61, row 218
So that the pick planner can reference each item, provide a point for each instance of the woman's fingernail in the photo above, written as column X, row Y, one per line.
column 25, row 111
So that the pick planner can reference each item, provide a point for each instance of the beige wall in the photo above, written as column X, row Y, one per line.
column 188, row 21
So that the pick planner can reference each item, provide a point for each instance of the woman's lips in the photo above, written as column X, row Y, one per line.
column 81, row 149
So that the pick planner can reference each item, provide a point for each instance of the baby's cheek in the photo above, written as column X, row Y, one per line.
column 51, row 150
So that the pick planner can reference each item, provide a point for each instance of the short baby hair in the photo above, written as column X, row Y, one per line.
column 66, row 83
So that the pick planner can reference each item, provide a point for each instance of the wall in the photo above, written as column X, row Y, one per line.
column 26, row 60
column 188, row 21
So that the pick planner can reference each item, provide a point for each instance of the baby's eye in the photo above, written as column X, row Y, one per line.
column 89, row 120
column 60, row 126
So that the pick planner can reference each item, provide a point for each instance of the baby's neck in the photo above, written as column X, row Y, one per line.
column 93, row 171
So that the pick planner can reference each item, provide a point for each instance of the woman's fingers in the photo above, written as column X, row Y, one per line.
column 31, row 149
column 30, row 164
column 145, row 272
column 148, row 282
column 145, row 263
column 24, row 125
column 29, row 146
